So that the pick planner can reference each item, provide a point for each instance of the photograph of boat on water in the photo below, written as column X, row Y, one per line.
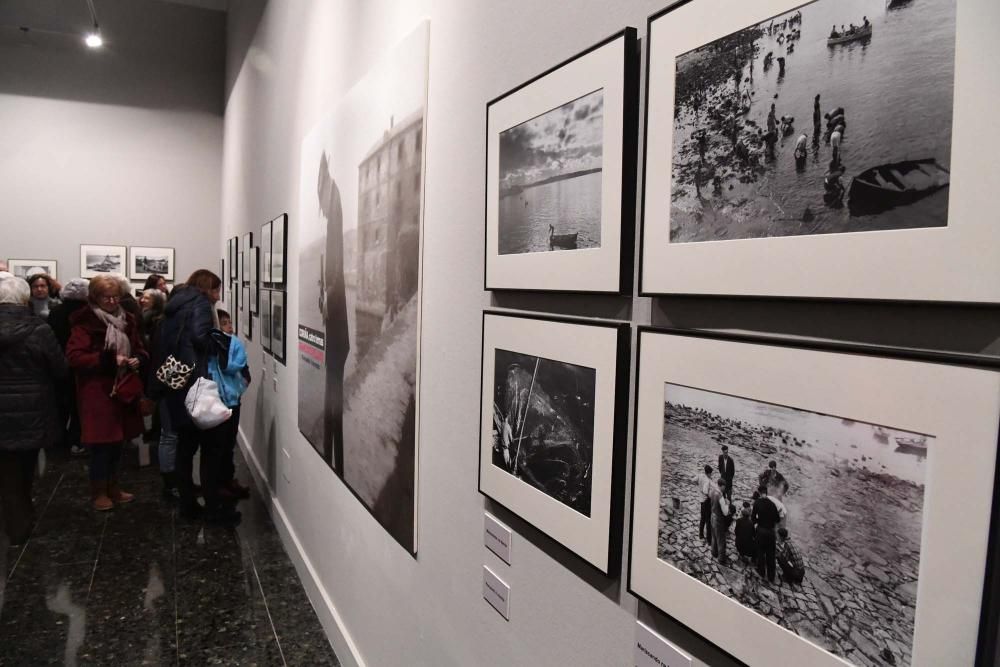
column 829, row 118
column 550, row 179
column 552, row 428
column 745, row 508
column 561, row 174
column 785, row 139
column 777, row 512
column 98, row 259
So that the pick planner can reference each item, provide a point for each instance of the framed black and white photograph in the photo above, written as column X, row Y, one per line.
column 777, row 513
column 25, row 268
column 98, row 259
column 145, row 261
column 247, row 329
column 265, row 255
column 254, row 263
column 560, row 174
column 265, row 319
column 551, row 442
column 222, row 276
column 808, row 150
column 279, row 243
column 278, row 320
column 240, row 268
column 245, row 249
column 233, row 275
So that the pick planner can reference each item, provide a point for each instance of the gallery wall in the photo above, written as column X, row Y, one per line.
column 118, row 146
column 289, row 64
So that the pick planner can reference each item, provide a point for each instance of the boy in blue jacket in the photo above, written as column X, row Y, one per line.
column 232, row 373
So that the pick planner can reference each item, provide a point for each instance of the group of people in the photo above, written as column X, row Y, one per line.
column 851, row 29
column 81, row 365
column 761, row 535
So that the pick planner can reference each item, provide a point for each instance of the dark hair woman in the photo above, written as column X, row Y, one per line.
column 75, row 296
column 31, row 366
column 186, row 335
column 105, row 349
column 44, row 291
column 157, row 282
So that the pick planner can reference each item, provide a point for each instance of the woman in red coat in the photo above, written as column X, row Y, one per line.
column 105, row 349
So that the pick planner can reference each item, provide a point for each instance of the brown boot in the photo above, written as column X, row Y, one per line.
column 99, row 496
column 118, row 496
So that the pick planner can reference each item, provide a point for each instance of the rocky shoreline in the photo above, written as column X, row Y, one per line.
column 858, row 531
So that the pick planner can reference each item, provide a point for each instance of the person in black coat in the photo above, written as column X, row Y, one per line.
column 727, row 471
column 766, row 517
column 74, row 297
column 31, row 364
column 186, row 334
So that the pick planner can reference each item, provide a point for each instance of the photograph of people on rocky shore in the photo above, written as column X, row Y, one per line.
column 811, row 520
column 834, row 117
column 550, row 179
column 543, row 425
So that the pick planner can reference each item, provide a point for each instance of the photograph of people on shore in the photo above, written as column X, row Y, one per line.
column 550, row 179
column 543, row 425
column 835, row 117
column 811, row 520
column 98, row 259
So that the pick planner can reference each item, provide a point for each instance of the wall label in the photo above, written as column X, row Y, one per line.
column 496, row 537
column 652, row 650
column 496, row 592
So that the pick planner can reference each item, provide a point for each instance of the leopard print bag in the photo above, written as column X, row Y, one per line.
column 174, row 374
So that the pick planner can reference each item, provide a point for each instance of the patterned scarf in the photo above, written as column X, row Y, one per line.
column 115, row 337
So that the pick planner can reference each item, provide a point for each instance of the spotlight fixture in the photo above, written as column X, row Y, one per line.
column 93, row 39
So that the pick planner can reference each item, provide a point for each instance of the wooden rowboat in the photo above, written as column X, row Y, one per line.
column 897, row 183
column 860, row 33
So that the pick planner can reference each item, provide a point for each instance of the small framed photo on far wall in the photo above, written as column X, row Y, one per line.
column 145, row 261
column 25, row 268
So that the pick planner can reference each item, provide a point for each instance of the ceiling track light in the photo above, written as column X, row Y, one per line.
column 93, row 39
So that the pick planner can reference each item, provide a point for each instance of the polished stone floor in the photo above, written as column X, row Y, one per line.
column 140, row 586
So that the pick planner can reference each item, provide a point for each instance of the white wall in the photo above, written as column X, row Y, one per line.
column 121, row 146
column 289, row 62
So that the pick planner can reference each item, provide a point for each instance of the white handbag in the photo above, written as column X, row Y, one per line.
column 204, row 405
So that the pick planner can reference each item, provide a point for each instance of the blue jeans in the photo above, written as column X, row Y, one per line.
column 167, row 449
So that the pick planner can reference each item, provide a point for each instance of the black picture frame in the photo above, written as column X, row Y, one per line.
column 594, row 535
column 265, row 258
column 612, row 66
column 247, row 246
column 265, row 320
column 279, row 252
column 254, row 280
column 703, row 615
column 279, row 330
column 233, row 275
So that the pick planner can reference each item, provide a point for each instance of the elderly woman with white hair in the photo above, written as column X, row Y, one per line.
column 31, row 364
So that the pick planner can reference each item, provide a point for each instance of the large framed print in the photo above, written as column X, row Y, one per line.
column 265, row 257
column 278, row 318
column 880, row 470
column 265, row 320
column 358, row 257
column 25, row 268
column 796, row 159
column 560, row 174
column 279, row 243
column 552, row 428
column 145, row 261
column 102, row 259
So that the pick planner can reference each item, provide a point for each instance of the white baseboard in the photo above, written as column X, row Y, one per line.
column 333, row 624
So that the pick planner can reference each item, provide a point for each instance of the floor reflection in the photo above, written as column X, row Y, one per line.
column 139, row 586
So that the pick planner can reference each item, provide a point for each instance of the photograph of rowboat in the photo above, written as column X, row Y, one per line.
column 550, row 179
column 833, row 117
